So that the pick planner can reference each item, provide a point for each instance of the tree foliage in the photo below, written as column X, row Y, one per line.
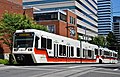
column 108, row 41
column 99, row 40
column 111, row 41
column 12, row 22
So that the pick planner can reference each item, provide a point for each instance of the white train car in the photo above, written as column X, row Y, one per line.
column 107, row 56
column 114, row 57
column 36, row 46
column 42, row 47
column 88, row 52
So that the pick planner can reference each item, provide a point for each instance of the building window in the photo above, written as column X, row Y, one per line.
column 46, row 16
column 51, row 28
column 36, row 17
column 62, row 17
column 72, row 20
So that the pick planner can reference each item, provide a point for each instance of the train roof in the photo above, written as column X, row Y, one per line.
column 51, row 35
column 106, row 49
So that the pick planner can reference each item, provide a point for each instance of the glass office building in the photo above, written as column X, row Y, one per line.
column 116, row 27
column 104, row 17
column 86, row 11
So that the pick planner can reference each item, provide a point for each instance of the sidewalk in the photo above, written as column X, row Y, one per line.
column 1, row 65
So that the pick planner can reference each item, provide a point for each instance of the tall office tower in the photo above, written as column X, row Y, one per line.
column 86, row 11
column 104, row 17
column 116, row 27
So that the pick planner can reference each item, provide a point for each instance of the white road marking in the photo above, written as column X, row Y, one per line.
column 7, row 67
column 75, row 66
column 89, row 65
column 107, row 72
column 85, row 72
column 116, row 69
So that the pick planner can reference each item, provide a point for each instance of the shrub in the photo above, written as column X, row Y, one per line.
column 4, row 61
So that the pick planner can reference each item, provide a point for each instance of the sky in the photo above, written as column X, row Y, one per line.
column 116, row 7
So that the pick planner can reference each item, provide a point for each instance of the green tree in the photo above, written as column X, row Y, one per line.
column 12, row 22
column 99, row 40
column 111, row 41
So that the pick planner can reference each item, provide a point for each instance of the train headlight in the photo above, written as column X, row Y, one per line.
column 30, row 49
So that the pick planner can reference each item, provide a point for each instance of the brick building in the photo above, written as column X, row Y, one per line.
column 7, row 5
column 61, row 22
column 14, row 6
column 11, row 6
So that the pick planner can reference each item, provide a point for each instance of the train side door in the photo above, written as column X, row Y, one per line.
column 55, row 50
column 68, row 53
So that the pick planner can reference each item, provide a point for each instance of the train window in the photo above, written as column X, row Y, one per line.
column 100, row 52
column 110, row 53
column 64, row 50
column 89, row 53
column 72, row 51
column 54, row 49
column 115, row 55
column 106, row 53
column 69, row 51
column 43, row 42
column 60, row 50
column 78, row 52
column 49, row 44
column 36, row 42
column 96, row 51
column 83, row 52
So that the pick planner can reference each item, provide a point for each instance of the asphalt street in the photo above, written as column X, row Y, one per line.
column 61, row 70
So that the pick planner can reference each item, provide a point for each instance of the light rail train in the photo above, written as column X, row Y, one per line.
column 36, row 46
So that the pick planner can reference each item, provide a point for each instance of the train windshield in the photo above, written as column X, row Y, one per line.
column 23, row 40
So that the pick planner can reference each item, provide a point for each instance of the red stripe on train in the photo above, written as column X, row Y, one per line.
column 63, row 59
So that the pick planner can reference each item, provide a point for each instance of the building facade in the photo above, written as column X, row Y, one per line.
column 116, row 27
column 14, row 6
column 11, row 6
column 57, row 21
column 104, row 17
column 86, row 11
